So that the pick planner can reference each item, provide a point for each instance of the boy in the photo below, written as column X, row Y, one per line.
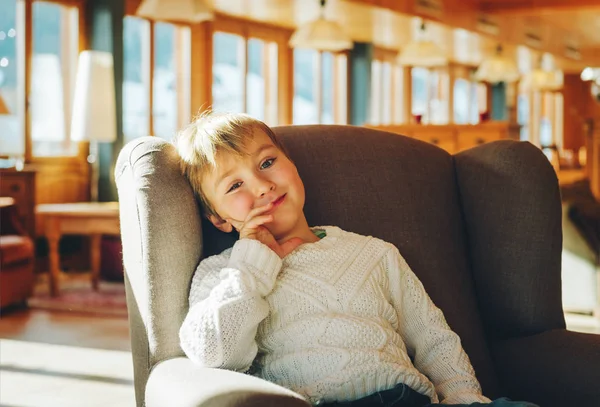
column 332, row 315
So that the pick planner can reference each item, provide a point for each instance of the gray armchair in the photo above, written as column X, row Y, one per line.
column 481, row 229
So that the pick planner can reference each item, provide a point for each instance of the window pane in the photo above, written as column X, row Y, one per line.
column 53, row 64
column 272, row 94
column 306, row 107
column 438, row 91
column 327, row 88
column 523, row 115
column 399, row 95
column 136, row 90
column 461, row 101
column 164, row 99
column 386, row 103
column 375, row 92
column 474, row 105
column 228, row 73
column 420, row 77
column 12, row 139
column 255, row 94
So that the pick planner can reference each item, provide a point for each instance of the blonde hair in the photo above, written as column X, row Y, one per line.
column 210, row 133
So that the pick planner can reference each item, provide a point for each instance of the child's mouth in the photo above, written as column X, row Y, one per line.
column 279, row 200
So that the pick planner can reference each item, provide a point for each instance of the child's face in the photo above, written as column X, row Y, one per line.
column 264, row 175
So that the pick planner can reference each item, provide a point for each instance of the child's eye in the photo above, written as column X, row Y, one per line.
column 267, row 163
column 234, row 187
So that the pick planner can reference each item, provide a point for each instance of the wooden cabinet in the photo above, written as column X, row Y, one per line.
column 457, row 137
column 444, row 138
column 20, row 185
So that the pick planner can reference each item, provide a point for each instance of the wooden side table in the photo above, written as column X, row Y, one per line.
column 83, row 218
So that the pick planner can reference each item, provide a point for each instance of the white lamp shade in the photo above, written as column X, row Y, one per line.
column 590, row 74
column 544, row 80
column 423, row 53
column 94, row 107
column 497, row 69
column 47, row 101
column 322, row 35
column 193, row 11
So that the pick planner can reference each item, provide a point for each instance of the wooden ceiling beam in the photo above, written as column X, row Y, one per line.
column 536, row 6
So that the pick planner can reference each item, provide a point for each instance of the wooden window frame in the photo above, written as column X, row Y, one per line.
column 269, row 34
column 24, row 19
column 339, row 107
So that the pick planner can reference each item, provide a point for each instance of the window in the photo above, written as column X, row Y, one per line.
column 171, row 79
column 430, row 95
column 166, row 76
column 136, row 81
column 523, row 111
column 53, row 68
column 320, row 87
column 386, row 90
column 12, row 142
column 551, row 120
column 461, row 101
column 245, row 76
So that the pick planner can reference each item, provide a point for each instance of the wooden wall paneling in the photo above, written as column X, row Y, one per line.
column 407, row 87
column 285, row 79
column 201, row 67
column 575, row 98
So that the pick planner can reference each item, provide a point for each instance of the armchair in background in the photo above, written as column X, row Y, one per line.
column 481, row 229
column 17, row 257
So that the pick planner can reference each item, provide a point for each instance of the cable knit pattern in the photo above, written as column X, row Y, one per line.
column 337, row 319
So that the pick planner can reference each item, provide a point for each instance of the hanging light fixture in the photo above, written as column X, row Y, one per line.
column 422, row 52
column 192, row 11
column 591, row 74
column 497, row 68
column 545, row 77
column 321, row 34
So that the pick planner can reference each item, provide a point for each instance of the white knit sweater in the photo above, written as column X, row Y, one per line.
column 334, row 320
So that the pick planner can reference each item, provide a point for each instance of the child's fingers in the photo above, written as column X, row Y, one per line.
column 258, row 221
column 258, row 210
column 236, row 224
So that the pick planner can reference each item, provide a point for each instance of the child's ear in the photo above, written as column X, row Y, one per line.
column 220, row 224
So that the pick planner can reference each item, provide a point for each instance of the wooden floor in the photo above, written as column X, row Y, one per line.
column 52, row 359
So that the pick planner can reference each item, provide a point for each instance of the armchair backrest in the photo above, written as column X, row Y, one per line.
column 407, row 192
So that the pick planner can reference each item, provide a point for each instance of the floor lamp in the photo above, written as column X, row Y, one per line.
column 94, row 107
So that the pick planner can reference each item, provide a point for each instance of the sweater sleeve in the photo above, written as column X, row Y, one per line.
column 436, row 349
column 227, row 304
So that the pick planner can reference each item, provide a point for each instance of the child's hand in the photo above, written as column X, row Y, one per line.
column 253, row 228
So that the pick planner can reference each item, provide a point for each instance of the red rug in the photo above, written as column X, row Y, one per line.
column 78, row 297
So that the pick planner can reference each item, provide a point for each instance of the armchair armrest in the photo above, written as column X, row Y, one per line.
column 554, row 368
column 180, row 382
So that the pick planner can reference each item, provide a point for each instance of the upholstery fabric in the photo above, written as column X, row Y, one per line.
column 15, row 249
column 480, row 229
column 512, row 212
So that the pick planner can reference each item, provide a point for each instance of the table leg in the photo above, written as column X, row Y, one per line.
column 53, row 236
column 96, row 243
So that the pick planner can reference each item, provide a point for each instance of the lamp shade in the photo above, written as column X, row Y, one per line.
column 544, row 80
column 322, row 35
column 590, row 74
column 94, row 107
column 496, row 69
column 193, row 11
column 423, row 53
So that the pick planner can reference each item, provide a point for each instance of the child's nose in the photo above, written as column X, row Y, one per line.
column 264, row 186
